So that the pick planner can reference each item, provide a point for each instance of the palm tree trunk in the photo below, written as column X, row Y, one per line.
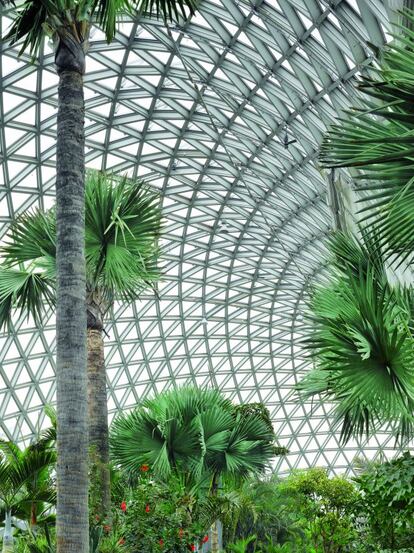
column 8, row 541
column 215, row 538
column 215, row 545
column 72, row 427
column 98, row 416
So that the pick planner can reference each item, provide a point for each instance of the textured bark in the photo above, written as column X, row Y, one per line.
column 98, row 415
column 72, row 424
column 215, row 546
column 214, row 538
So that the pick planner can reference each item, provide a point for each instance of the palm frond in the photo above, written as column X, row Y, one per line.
column 25, row 290
column 123, row 223
column 34, row 17
column 194, row 430
column 31, row 239
column 28, row 24
column 168, row 10
column 378, row 139
column 362, row 345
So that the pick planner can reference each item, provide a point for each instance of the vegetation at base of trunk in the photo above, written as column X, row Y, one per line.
column 170, row 513
column 26, row 486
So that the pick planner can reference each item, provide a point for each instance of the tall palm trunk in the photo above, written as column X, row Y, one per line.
column 8, row 541
column 72, row 429
column 98, row 414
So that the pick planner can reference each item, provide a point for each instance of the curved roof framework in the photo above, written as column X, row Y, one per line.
column 202, row 111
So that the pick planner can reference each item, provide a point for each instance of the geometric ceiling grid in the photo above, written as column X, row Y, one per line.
column 202, row 110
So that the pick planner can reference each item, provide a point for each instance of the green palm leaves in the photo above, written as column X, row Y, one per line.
column 122, row 229
column 197, row 431
column 25, row 479
column 122, row 226
column 362, row 342
column 34, row 18
column 378, row 139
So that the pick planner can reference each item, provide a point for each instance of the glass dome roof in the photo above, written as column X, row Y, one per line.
column 201, row 110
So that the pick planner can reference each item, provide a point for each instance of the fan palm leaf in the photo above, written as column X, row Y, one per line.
column 122, row 220
column 197, row 431
column 122, row 228
column 378, row 139
column 34, row 17
column 362, row 343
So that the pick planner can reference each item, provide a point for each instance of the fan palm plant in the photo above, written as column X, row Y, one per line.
column 377, row 138
column 194, row 431
column 24, row 485
column 122, row 226
column 197, row 432
column 362, row 342
column 68, row 23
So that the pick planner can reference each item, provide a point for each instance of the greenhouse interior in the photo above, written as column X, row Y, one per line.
column 206, row 276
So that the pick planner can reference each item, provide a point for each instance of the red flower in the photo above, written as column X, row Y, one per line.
column 161, row 542
column 147, row 508
column 107, row 528
column 123, row 506
column 144, row 468
column 205, row 539
column 121, row 541
column 193, row 547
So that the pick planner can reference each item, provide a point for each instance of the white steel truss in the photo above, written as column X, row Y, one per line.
column 201, row 110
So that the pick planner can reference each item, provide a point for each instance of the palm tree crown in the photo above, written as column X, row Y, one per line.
column 362, row 342
column 198, row 431
column 122, row 220
column 377, row 138
column 58, row 19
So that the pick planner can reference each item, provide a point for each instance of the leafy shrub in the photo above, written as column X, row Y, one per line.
column 388, row 503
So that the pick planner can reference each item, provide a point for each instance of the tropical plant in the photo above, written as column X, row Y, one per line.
column 68, row 22
column 26, row 491
column 388, row 503
column 122, row 226
column 377, row 138
column 258, row 506
column 162, row 516
column 197, row 432
column 240, row 546
column 362, row 341
column 37, row 542
column 326, row 506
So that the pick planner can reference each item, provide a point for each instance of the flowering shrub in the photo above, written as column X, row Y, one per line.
column 159, row 517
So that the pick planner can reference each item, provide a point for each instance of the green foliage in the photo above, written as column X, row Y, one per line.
column 257, row 506
column 39, row 542
column 388, row 502
column 122, row 219
column 378, row 139
column 35, row 18
column 195, row 431
column 25, row 481
column 163, row 516
column 325, row 507
column 122, row 226
column 240, row 546
column 362, row 342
